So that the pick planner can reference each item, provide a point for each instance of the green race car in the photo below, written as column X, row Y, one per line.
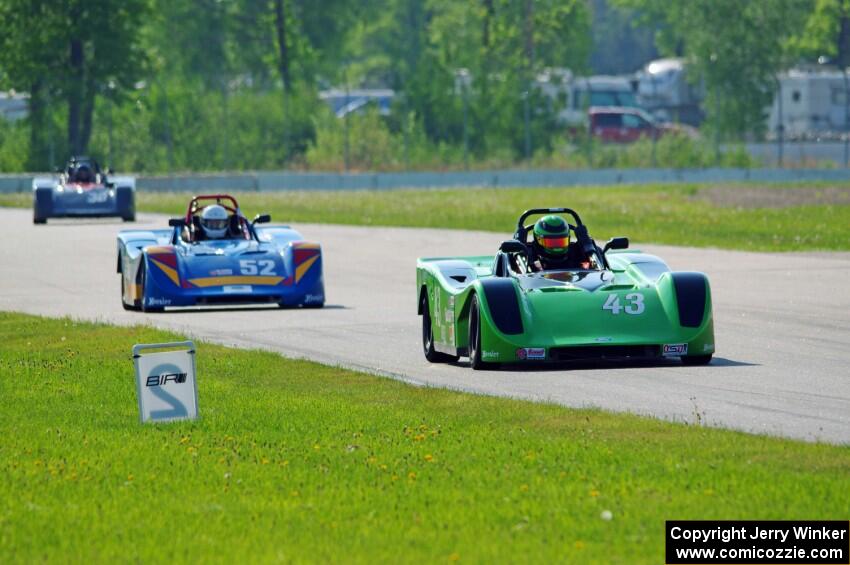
column 545, row 297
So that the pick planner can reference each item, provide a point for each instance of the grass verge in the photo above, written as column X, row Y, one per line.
column 297, row 461
column 757, row 217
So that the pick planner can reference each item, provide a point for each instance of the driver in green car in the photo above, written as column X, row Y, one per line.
column 552, row 249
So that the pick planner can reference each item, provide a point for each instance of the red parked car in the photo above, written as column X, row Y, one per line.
column 618, row 124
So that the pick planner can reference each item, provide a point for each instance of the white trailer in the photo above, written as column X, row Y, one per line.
column 813, row 104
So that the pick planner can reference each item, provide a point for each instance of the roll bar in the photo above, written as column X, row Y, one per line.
column 533, row 211
column 520, row 226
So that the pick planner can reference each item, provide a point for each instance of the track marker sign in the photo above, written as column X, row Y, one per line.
column 165, row 382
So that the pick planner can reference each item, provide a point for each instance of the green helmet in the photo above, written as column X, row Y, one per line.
column 552, row 236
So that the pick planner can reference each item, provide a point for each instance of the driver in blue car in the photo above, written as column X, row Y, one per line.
column 215, row 221
column 552, row 249
column 83, row 174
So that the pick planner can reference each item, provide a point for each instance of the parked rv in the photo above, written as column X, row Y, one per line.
column 665, row 90
column 813, row 104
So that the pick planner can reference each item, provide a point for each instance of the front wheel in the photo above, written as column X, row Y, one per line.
column 431, row 354
column 135, row 304
column 696, row 359
column 475, row 337
column 142, row 283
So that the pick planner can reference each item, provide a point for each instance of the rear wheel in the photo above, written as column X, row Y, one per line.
column 431, row 354
column 39, row 220
column 696, row 359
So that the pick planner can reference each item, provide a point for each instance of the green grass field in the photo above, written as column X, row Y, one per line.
column 758, row 217
column 302, row 462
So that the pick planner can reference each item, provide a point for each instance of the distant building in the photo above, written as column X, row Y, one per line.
column 813, row 104
column 13, row 106
column 664, row 89
column 344, row 102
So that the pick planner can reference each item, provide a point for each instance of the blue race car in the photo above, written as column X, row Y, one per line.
column 83, row 190
column 213, row 256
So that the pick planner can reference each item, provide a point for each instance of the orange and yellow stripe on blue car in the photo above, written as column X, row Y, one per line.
column 165, row 259
column 305, row 256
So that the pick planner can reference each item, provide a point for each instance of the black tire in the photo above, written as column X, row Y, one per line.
column 42, row 205
column 431, row 354
column 696, row 359
column 125, row 201
column 475, row 336
column 142, row 305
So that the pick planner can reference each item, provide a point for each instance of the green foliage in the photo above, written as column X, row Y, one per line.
column 826, row 32
column 227, row 41
column 670, row 151
column 74, row 51
column 619, row 46
column 177, row 126
column 295, row 461
column 14, row 146
column 199, row 84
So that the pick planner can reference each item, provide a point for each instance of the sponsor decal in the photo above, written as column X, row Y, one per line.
column 152, row 301
column 674, row 349
column 531, row 353
column 536, row 353
column 221, row 272
column 489, row 354
column 237, row 289
column 450, row 310
column 161, row 380
column 314, row 298
column 604, row 339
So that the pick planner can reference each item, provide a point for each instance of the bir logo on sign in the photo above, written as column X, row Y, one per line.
column 165, row 382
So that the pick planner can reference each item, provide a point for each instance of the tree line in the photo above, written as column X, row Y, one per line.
column 165, row 85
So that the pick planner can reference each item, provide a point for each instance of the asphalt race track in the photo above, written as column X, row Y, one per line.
column 782, row 323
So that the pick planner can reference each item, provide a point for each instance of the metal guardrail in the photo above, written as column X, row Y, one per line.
column 281, row 181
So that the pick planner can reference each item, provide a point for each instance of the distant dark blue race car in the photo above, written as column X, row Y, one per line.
column 83, row 190
column 183, row 266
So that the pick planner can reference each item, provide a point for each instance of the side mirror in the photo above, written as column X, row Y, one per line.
column 513, row 246
column 616, row 243
column 262, row 219
column 177, row 222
